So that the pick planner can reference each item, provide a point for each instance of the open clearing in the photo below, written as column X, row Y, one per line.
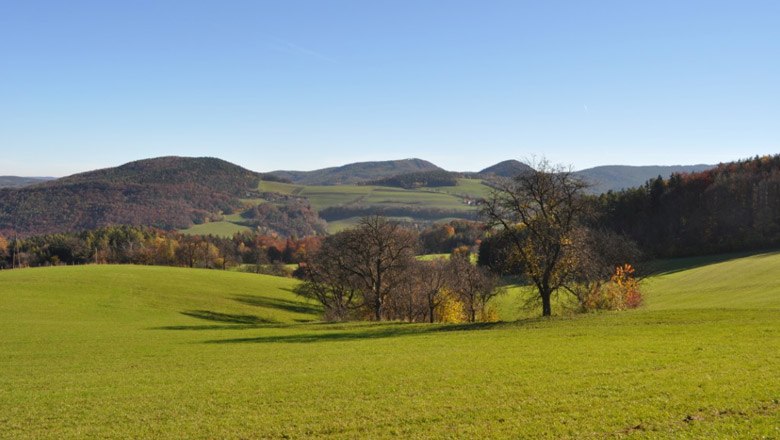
column 220, row 229
column 153, row 352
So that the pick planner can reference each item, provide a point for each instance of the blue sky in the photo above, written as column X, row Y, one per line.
column 307, row 84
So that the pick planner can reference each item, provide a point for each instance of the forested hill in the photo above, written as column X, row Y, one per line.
column 166, row 192
column 507, row 168
column 359, row 172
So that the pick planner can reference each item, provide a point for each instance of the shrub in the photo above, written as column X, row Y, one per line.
column 620, row 293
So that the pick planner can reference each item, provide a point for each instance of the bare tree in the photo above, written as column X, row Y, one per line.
column 329, row 283
column 540, row 210
column 432, row 277
column 370, row 259
column 474, row 285
column 380, row 251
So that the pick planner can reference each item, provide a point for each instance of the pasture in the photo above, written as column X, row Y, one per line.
column 223, row 228
column 154, row 352
column 326, row 196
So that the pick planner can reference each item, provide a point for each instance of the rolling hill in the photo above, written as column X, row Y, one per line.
column 157, row 352
column 166, row 192
column 357, row 172
column 507, row 168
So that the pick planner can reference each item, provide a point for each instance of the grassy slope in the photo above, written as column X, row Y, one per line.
column 712, row 282
column 105, row 351
column 221, row 229
column 324, row 196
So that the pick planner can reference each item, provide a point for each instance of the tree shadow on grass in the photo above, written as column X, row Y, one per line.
column 382, row 331
column 226, row 317
column 278, row 303
column 211, row 327
column 231, row 321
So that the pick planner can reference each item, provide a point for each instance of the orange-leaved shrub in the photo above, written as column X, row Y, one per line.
column 620, row 293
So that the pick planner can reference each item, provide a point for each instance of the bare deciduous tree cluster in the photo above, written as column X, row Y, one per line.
column 371, row 272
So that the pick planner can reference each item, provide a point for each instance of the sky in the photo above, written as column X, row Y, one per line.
column 302, row 85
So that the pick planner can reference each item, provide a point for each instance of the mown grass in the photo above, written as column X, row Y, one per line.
column 149, row 352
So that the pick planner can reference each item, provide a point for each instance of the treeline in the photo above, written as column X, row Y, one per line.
column 343, row 212
column 420, row 179
column 150, row 246
column 733, row 207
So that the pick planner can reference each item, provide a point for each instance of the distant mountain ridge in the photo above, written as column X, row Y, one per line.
column 20, row 181
column 616, row 177
column 358, row 172
column 602, row 178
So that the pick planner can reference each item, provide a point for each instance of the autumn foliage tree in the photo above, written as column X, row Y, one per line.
column 539, row 211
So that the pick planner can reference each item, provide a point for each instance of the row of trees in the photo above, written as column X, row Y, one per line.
column 370, row 272
column 141, row 245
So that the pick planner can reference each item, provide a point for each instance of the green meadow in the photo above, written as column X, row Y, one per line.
column 327, row 196
column 155, row 352
column 223, row 228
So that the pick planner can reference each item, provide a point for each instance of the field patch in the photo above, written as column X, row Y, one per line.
column 220, row 229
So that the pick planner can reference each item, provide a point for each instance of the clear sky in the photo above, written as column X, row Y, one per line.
column 306, row 84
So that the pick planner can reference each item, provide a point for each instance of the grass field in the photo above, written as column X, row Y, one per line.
column 220, row 229
column 151, row 352
column 325, row 196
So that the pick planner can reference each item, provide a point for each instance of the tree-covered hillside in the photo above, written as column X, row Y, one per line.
column 357, row 172
column 166, row 192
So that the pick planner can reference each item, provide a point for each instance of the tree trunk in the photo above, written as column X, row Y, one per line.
column 378, row 308
column 546, row 308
